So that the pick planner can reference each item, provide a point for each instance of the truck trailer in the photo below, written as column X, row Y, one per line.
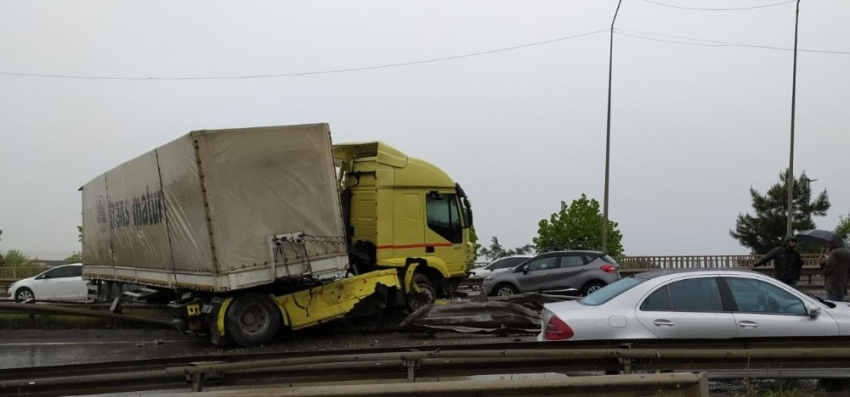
column 245, row 232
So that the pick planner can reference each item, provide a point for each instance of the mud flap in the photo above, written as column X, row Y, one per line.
column 211, row 311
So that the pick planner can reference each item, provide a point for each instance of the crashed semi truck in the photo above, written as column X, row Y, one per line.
column 246, row 232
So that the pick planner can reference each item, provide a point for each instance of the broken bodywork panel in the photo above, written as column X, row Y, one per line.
column 516, row 313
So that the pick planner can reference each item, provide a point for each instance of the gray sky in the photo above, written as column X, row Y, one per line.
column 693, row 126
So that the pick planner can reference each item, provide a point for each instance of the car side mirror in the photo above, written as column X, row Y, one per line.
column 813, row 311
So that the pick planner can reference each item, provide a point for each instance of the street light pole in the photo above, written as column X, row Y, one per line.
column 790, row 178
column 608, row 135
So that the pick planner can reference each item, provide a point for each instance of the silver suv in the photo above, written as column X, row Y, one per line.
column 556, row 272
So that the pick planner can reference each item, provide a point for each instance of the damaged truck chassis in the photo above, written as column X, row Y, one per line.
column 246, row 232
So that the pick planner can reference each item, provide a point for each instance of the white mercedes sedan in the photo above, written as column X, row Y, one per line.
column 694, row 304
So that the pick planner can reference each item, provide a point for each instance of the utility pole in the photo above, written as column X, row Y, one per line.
column 608, row 134
column 790, row 178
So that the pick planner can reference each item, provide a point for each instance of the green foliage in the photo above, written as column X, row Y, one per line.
column 765, row 230
column 80, row 234
column 15, row 258
column 843, row 227
column 76, row 257
column 496, row 251
column 476, row 246
column 579, row 223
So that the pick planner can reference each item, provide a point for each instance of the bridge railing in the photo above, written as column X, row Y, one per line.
column 699, row 261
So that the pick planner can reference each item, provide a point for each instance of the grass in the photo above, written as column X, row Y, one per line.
column 782, row 389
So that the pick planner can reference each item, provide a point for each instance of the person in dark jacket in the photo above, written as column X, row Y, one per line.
column 786, row 261
column 836, row 270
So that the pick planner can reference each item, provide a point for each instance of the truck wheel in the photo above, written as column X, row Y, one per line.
column 115, row 290
column 252, row 320
column 426, row 295
column 103, row 291
column 24, row 294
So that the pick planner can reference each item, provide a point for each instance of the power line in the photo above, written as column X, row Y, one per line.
column 298, row 74
column 719, row 9
column 714, row 43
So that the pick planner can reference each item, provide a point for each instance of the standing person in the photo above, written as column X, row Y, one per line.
column 786, row 261
column 836, row 270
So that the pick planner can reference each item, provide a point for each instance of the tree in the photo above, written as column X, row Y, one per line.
column 15, row 258
column 843, row 227
column 75, row 257
column 473, row 238
column 496, row 251
column 766, row 230
column 80, row 234
column 580, row 222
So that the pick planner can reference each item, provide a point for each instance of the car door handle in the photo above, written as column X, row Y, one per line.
column 748, row 324
column 663, row 323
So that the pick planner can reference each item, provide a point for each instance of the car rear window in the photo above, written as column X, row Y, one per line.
column 610, row 291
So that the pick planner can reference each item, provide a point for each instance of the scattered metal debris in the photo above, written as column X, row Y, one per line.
column 516, row 313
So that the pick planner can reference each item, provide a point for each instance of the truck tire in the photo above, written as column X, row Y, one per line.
column 103, row 291
column 252, row 320
column 426, row 295
column 116, row 290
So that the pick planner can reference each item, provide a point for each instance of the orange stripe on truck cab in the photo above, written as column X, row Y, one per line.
column 382, row 247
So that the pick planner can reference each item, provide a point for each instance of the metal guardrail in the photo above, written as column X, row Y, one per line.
column 84, row 310
column 410, row 364
column 694, row 261
column 691, row 261
column 17, row 273
column 678, row 384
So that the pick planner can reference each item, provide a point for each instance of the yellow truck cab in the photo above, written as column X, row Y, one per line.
column 404, row 213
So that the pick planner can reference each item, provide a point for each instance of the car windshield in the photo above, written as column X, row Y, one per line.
column 610, row 291
column 817, row 298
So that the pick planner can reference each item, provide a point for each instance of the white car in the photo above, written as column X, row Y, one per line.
column 710, row 304
column 498, row 266
column 60, row 283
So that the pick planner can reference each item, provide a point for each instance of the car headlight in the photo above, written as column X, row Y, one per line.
column 490, row 278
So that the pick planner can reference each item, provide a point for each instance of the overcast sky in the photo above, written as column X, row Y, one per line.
column 693, row 126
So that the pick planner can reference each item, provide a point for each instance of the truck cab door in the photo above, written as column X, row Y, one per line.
column 444, row 231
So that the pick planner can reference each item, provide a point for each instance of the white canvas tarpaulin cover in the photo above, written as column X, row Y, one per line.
column 198, row 211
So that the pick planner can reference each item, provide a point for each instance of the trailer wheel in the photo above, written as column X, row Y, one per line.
column 116, row 290
column 103, row 291
column 252, row 320
column 426, row 295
